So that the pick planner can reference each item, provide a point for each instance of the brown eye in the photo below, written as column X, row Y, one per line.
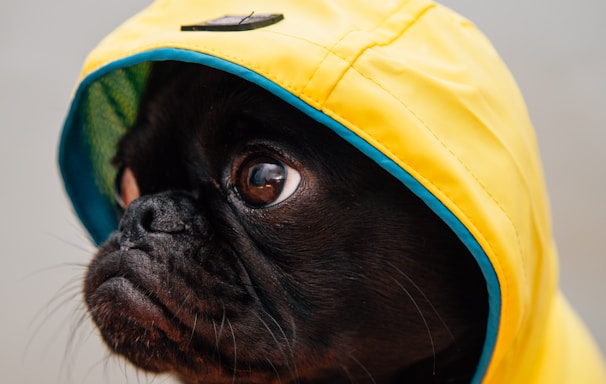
column 126, row 188
column 263, row 181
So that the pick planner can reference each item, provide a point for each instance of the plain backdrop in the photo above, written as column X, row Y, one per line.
column 555, row 49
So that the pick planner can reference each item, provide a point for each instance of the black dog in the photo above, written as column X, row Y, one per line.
column 256, row 246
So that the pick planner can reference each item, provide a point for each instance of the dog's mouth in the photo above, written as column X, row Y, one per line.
column 132, row 322
column 145, row 313
column 132, row 318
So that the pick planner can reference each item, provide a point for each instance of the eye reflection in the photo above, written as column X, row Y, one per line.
column 263, row 181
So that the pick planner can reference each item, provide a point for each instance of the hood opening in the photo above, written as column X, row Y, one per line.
column 105, row 106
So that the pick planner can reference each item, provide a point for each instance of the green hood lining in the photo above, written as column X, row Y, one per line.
column 89, row 183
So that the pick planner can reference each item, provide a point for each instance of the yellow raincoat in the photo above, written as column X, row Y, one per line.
column 412, row 85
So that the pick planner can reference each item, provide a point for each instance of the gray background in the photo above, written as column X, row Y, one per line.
column 555, row 49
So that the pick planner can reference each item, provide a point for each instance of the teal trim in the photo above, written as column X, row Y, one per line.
column 98, row 215
column 95, row 211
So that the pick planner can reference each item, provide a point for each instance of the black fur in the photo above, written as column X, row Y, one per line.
column 350, row 279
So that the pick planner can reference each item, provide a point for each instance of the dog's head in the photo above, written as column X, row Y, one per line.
column 257, row 246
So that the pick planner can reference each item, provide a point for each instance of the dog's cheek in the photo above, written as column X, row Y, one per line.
column 333, row 265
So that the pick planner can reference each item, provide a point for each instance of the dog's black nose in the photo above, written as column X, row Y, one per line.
column 161, row 214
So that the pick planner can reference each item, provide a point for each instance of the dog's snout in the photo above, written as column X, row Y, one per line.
column 159, row 214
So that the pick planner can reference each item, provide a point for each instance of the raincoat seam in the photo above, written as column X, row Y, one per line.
column 375, row 43
column 329, row 51
column 492, row 197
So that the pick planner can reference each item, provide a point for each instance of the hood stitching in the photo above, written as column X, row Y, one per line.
column 372, row 44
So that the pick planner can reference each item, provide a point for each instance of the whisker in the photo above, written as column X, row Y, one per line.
column 74, row 245
column 78, row 231
column 78, row 335
column 271, row 333
column 223, row 318
column 414, row 302
column 275, row 369
column 288, row 344
column 68, row 361
column 70, row 348
column 366, row 371
column 61, row 266
column 84, row 318
column 220, row 332
column 103, row 361
column 348, row 374
column 72, row 284
column 233, row 335
column 48, row 313
column 138, row 376
column 176, row 314
column 434, row 309
column 193, row 330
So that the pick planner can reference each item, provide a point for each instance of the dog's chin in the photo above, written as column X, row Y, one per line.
column 132, row 320
column 154, row 335
column 162, row 336
column 131, row 332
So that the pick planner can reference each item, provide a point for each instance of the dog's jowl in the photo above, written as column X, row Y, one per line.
column 338, row 191
column 258, row 246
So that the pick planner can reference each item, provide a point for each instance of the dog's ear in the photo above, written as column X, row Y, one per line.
column 150, row 151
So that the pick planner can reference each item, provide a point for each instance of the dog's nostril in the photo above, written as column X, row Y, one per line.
column 154, row 214
column 161, row 216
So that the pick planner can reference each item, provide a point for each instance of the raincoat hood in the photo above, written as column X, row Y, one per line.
column 409, row 83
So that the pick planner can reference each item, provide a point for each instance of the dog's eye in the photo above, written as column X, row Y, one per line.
column 126, row 188
column 263, row 181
